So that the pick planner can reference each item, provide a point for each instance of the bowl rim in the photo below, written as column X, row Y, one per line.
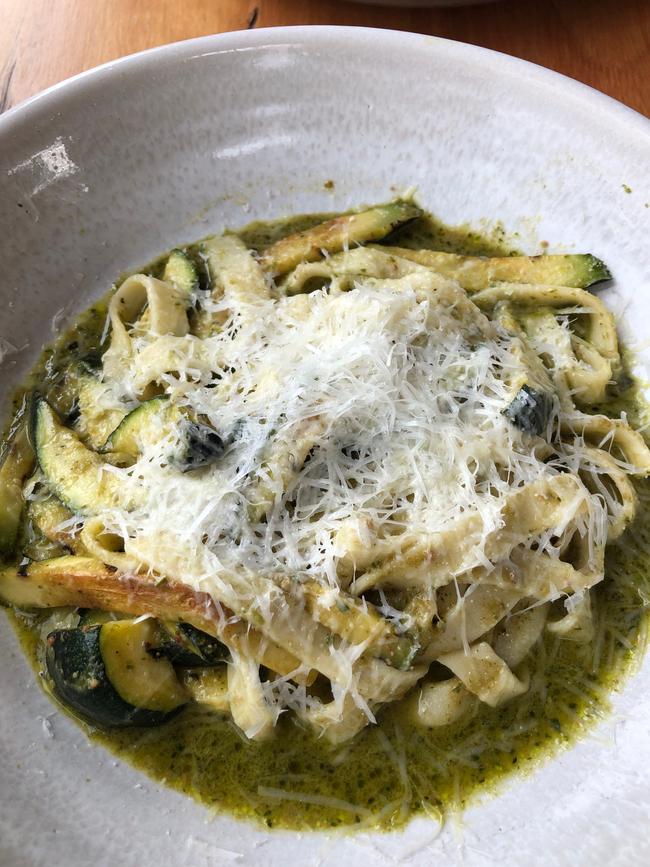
column 54, row 97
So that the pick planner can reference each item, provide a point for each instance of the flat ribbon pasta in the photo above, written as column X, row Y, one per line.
column 166, row 314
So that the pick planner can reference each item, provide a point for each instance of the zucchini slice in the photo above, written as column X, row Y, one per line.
column 33, row 545
column 97, row 414
column 335, row 235
column 181, row 272
column 207, row 647
column 139, row 678
column 152, row 421
column 79, row 477
column 474, row 273
column 85, row 402
column 145, row 425
column 530, row 410
column 171, row 643
column 64, row 391
column 47, row 516
column 187, row 646
column 105, row 674
column 17, row 464
column 95, row 617
column 42, row 535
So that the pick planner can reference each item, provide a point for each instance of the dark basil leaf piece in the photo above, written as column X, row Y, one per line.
column 530, row 410
column 203, row 446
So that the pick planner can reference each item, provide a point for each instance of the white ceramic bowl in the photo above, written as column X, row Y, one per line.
column 103, row 172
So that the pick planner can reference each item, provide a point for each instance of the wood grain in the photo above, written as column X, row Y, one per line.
column 605, row 43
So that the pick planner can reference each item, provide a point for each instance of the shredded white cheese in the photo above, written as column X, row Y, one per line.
column 407, row 399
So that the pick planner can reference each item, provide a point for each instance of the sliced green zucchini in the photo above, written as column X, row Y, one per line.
column 181, row 272
column 530, row 410
column 95, row 617
column 207, row 646
column 17, row 463
column 46, row 530
column 34, row 545
column 140, row 679
column 64, row 391
column 79, row 477
column 335, row 235
column 152, row 421
column 98, row 415
column 143, row 426
column 474, row 273
column 105, row 674
column 171, row 643
column 48, row 516
column 81, row 399
column 209, row 649
column 186, row 646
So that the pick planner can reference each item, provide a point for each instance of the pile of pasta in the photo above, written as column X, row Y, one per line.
column 411, row 489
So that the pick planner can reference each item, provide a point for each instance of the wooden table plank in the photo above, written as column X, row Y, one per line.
column 605, row 43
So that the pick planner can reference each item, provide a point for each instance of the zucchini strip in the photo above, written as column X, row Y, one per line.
column 98, row 415
column 84, row 582
column 336, row 234
column 105, row 674
column 50, row 518
column 16, row 465
column 145, row 425
column 79, row 477
column 578, row 270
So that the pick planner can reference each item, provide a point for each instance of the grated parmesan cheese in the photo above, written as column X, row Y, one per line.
column 387, row 409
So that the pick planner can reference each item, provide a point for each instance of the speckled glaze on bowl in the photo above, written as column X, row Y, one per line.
column 105, row 171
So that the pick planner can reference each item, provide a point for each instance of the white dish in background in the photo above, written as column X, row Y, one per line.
column 102, row 173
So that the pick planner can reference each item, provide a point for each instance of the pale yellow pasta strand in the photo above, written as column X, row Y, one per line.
column 577, row 624
column 484, row 674
column 432, row 560
column 601, row 326
column 472, row 616
column 166, row 315
column 610, row 433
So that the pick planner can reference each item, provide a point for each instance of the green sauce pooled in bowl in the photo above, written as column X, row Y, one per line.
column 506, row 365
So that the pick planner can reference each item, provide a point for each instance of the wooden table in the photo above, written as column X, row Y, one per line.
column 605, row 43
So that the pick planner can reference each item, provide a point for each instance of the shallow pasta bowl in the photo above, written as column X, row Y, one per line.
column 104, row 172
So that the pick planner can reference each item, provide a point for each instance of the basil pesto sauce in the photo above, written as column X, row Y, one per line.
column 391, row 771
